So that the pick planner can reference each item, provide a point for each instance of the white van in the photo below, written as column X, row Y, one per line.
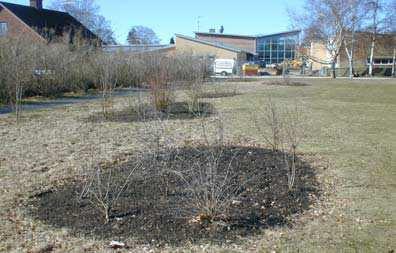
column 224, row 67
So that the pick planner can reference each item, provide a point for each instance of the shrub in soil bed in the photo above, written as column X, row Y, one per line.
column 188, row 195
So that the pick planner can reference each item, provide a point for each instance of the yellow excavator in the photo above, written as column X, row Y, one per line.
column 250, row 69
column 296, row 64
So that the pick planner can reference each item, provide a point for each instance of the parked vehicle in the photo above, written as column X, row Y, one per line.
column 224, row 67
column 250, row 69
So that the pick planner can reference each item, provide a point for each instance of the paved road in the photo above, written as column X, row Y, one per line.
column 299, row 77
column 59, row 102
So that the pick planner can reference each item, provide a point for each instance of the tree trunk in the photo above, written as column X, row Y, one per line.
column 350, row 68
column 333, row 69
column 394, row 63
column 351, row 57
column 372, row 56
column 374, row 38
column 350, row 61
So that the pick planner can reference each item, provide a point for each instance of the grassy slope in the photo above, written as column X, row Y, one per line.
column 351, row 124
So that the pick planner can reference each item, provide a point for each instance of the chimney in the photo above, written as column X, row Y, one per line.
column 38, row 4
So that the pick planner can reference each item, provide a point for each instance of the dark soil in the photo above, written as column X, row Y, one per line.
column 223, row 94
column 157, row 206
column 178, row 110
column 286, row 83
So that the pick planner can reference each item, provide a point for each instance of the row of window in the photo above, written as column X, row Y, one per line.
column 276, row 49
column 3, row 28
column 384, row 61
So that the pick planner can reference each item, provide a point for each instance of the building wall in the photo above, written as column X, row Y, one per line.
column 384, row 46
column 188, row 46
column 319, row 55
column 383, row 49
column 16, row 27
column 248, row 44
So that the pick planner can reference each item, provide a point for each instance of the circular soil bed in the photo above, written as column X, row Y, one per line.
column 146, row 112
column 186, row 195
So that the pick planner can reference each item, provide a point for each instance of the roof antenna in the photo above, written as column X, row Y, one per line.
column 199, row 22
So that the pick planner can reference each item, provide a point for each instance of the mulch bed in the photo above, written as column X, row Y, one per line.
column 157, row 206
column 219, row 94
column 286, row 83
column 176, row 111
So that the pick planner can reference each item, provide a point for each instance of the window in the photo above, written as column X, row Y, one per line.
column 277, row 48
column 381, row 61
column 3, row 28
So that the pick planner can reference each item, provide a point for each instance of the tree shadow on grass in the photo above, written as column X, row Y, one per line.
column 176, row 111
column 156, row 207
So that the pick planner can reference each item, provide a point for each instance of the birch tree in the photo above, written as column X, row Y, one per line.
column 374, row 6
column 354, row 19
column 394, row 63
column 381, row 21
column 325, row 21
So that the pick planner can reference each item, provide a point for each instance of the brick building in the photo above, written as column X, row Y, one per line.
column 41, row 24
column 239, row 41
column 213, row 49
column 383, row 53
column 268, row 49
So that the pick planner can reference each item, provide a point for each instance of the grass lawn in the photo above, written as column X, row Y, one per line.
column 351, row 143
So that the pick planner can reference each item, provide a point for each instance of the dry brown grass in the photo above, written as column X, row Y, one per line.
column 49, row 148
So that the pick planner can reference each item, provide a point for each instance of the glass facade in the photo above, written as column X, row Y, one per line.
column 276, row 48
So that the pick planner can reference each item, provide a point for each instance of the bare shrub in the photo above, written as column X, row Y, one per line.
column 160, row 80
column 211, row 186
column 104, row 188
column 57, row 70
column 166, row 73
column 283, row 129
column 270, row 125
column 17, row 69
column 294, row 132
column 197, row 73
column 32, row 68
column 106, row 67
column 131, row 69
column 50, row 70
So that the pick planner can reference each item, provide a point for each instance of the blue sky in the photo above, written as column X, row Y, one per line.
column 166, row 18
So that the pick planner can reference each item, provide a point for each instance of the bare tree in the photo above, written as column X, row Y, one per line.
column 355, row 18
column 381, row 21
column 141, row 35
column 390, row 27
column 375, row 8
column 87, row 12
column 325, row 21
column 394, row 63
column 390, row 17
